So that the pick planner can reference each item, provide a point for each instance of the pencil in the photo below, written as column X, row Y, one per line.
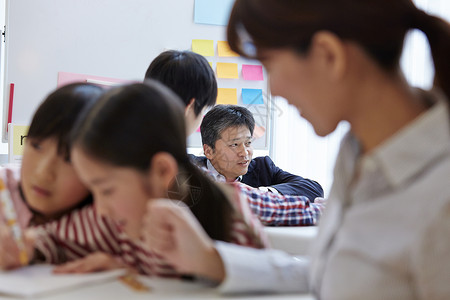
column 11, row 221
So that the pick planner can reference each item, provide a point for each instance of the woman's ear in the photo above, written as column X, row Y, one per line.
column 163, row 169
column 330, row 53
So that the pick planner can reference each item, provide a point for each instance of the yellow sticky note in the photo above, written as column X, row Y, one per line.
column 19, row 135
column 227, row 70
column 210, row 64
column 226, row 96
column 203, row 47
column 223, row 49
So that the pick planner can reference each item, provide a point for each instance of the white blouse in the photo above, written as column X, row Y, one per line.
column 386, row 229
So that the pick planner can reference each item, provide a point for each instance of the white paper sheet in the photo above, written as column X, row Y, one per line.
column 38, row 279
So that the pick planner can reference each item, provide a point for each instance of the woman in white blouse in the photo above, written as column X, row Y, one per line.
column 386, row 231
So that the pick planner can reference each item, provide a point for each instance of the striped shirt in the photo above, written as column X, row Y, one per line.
column 82, row 232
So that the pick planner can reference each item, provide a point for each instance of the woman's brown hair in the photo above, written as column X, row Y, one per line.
column 378, row 26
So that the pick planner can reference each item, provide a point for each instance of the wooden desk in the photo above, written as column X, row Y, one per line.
column 160, row 289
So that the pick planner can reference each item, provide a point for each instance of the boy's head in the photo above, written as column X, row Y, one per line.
column 227, row 132
column 191, row 77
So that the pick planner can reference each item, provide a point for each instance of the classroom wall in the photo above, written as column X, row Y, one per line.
column 3, row 146
column 115, row 39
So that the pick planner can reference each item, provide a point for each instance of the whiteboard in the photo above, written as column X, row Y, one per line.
column 108, row 38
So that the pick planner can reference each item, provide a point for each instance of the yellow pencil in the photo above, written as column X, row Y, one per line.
column 11, row 221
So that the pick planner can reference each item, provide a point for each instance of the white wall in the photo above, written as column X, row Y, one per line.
column 110, row 38
column 3, row 146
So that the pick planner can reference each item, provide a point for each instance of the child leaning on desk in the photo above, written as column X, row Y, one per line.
column 131, row 181
column 49, row 198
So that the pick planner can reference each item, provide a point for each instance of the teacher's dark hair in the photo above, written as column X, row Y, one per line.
column 222, row 117
column 378, row 26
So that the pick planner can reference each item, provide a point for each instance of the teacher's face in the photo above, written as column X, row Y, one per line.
column 232, row 153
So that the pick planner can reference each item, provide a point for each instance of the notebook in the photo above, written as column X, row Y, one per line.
column 37, row 280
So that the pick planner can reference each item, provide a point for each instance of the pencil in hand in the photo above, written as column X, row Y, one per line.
column 10, row 216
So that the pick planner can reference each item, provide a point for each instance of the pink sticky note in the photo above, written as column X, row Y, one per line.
column 252, row 72
column 66, row 78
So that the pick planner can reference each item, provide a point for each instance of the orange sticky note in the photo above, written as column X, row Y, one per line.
column 226, row 96
column 258, row 131
column 203, row 47
column 227, row 70
column 223, row 49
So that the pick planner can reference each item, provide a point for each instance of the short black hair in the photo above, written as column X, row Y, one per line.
column 188, row 74
column 58, row 113
column 221, row 117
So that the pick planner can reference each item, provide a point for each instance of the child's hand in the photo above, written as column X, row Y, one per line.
column 172, row 231
column 9, row 251
column 95, row 262
column 23, row 212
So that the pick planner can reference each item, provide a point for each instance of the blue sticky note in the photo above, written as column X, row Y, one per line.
column 252, row 96
column 213, row 12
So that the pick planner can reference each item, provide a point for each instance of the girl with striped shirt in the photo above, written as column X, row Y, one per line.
column 90, row 241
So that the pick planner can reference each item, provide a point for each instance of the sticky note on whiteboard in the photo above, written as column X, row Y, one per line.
column 252, row 72
column 226, row 96
column 258, row 131
column 252, row 96
column 223, row 50
column 213, row 12
column 16, row 141
column 227, row 70
column 203, row 47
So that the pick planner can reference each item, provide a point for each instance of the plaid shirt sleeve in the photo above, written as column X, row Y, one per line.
column 246, row 229
column 281, row 210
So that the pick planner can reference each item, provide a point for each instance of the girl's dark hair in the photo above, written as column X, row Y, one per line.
column 55, row 118
column 379, row 26
column 188, row 74
column 132, row 123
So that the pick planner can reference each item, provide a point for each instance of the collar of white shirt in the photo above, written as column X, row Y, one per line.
column 399, row 158
column 217, row 176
